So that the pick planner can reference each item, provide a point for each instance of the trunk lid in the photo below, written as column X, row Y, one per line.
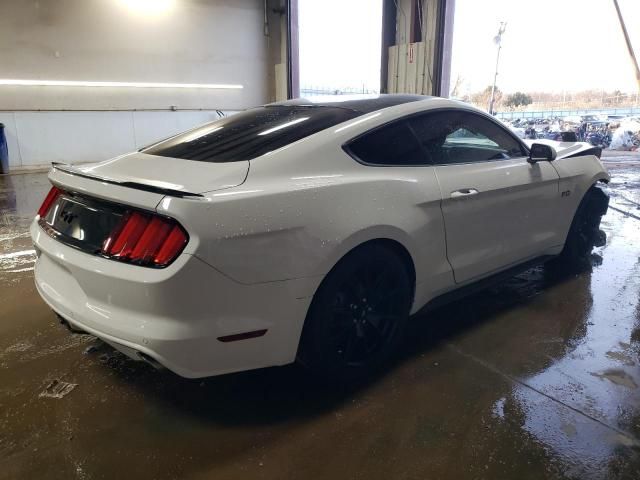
column 111, row 230
column 82, row 222
column 166, row 173
column 92, row 204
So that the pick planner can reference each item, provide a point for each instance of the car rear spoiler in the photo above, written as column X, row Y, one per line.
column 66, row 168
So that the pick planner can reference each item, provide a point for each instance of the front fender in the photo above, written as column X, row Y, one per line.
column 577, row 176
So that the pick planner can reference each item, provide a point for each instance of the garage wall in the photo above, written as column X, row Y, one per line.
column 39, row 138
column 174, row 41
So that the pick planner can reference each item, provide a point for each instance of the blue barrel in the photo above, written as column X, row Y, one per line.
column 4, row 151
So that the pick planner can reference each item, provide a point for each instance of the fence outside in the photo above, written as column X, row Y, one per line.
column 312, row 91
column 309, row 91
column 626, row 111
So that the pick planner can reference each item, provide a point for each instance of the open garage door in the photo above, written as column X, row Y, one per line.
column 340, row 47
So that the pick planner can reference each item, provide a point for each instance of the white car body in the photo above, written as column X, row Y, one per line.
column 265, row 233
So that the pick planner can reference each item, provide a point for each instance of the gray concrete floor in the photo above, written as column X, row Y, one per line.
column 535, row 378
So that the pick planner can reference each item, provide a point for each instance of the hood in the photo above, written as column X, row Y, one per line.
column 166, row 173
column 567, row 149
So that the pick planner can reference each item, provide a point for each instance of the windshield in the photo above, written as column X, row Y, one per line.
column 250, row 134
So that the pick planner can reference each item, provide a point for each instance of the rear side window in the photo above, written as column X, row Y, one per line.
column 250, row 134
column 451, row 137
column 390, row 145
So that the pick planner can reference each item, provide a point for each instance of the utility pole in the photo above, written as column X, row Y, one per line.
column 634, row 60
column 498, row 40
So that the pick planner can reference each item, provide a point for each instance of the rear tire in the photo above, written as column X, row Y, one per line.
column 358, row 315
column 585, row 232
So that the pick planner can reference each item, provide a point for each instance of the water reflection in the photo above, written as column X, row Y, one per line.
column 585, row 404
column 20, row 197
column 546, row 385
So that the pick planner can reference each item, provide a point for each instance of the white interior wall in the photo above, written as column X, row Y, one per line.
column 38, row 138
column 194, row 41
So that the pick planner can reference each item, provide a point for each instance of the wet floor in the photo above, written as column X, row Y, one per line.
column 536, row 378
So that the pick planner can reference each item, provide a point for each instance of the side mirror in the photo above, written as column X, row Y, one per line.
column 540, row 152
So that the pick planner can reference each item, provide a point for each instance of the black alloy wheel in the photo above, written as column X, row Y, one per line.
column 358, row 315
column 584, row 232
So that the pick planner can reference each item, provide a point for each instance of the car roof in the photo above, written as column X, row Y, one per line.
column 360, row 104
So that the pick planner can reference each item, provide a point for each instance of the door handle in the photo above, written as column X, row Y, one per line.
column 464, row 192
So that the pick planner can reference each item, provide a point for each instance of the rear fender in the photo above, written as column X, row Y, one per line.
column 378, row 232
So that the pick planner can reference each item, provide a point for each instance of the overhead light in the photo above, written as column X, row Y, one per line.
column 74, row 83
column 149, row 8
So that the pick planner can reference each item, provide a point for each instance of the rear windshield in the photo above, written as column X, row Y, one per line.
column 250, row 134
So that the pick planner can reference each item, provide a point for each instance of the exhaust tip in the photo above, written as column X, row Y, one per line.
column 63, row 321
column 151, row 361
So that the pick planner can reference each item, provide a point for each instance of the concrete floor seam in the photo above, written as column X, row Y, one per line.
column 513, row 379
column 629, row 200
column 624, row 212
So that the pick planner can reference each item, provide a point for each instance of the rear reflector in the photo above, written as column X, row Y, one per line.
column 242, row 336
column 145, row 239
column 48, row 201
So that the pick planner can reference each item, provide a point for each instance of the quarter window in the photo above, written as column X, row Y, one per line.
column 250, row 134
column 462, row 137
column 391, row 145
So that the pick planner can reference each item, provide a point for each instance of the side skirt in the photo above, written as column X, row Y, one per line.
column 482, row 284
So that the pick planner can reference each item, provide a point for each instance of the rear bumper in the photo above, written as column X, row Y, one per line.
column 173, row 315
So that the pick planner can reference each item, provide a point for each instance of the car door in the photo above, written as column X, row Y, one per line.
column 392, row 156
column 498, row 208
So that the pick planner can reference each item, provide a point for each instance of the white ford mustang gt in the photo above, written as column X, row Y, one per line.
column 303, row 230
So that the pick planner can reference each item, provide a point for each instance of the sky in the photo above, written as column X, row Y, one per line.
column 549, row 45
column 340, row 43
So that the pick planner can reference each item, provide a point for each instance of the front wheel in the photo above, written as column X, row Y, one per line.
column 584, row 232
column 358, row 315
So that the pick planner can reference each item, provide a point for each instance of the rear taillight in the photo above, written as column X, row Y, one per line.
column 48, row 201
column 145, row 239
